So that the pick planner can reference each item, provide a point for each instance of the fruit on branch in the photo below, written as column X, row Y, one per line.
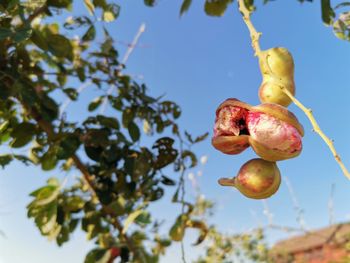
column 273, row 132
column 177, row 231
column 277, row 69
column 230, row 131
column 257, row 179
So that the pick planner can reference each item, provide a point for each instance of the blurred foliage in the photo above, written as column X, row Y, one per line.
column 333, row 16
column 120, row 176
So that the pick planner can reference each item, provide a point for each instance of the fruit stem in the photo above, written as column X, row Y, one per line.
column 227, row 181
column 255, row 36
column 317, row 129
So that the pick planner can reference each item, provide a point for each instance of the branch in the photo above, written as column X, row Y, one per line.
column 36, row 13
column 255, row 36
column 317, row 129
column 123, row 62
column 297, row 208
column 49, row 130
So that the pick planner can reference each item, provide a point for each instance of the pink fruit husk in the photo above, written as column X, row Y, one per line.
column 230, row 120
column 273, row 133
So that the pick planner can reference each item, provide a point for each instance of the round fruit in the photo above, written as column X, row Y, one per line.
column 270, row 91
column 277, row 61
column 257, row 179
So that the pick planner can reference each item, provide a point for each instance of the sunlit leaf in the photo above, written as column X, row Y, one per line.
column 327, row 12
column 130, row 219
column 185, row 6
column 216, row 7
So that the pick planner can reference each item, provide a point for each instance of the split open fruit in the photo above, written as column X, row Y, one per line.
column 271, row 130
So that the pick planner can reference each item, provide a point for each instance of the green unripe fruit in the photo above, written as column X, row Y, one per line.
column 279, row 61
column 257, row 179
column 277, row 68
column 270, row 92
column 177, row 231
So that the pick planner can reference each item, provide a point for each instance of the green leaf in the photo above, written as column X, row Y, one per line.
column 118, row 206
column 149, row 2
column 327, row 12
column 130, row 219
column 167, row 181
column 216, row 7
column 22, row 134
column 127, row 117
column 71, row 93
column 95, row 103
column 143, row 219
column 67, row 147
column 134, row 131
column 74, row 203
column 5, row 160
column 110, row 12
column 201, row 137
column 98, row 256
column 46, row 220
column 100, row 3
column 59, row 3
column 47, row 195
column 5, row 33
column 49, row 160
column 177, row 231
column 22, row 34
column 90, row 34
column 185, row 6
column 249, row 4
column 38, row 39
column 108, row 122
column 60, row 46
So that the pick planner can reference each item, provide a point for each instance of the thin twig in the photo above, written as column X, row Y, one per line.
column 317, row 129
column 297, row 208
column 68, row 100
column 182, row 199
column 331, row 205
column 133, row 44
column 128, row 52
column 267, row 212
column 255, row 36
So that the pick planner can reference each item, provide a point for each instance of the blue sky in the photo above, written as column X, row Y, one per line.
column 199, row 61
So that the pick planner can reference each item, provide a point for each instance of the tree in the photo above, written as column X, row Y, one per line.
column 120, row 176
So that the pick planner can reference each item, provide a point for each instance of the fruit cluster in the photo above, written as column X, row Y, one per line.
column 273, row 132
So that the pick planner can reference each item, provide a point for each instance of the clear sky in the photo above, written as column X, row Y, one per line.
column 199, row 61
